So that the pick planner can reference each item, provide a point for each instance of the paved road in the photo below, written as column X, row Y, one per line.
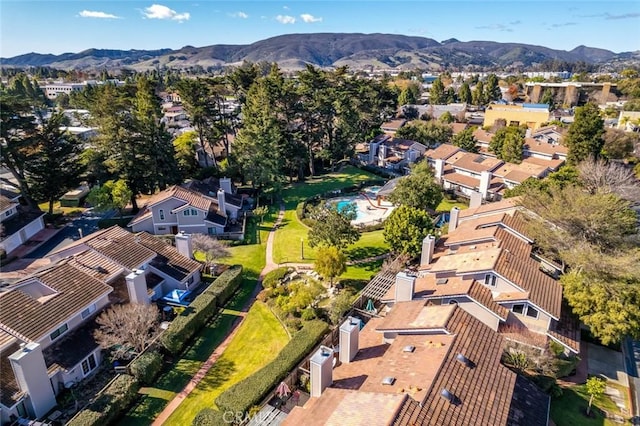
column 86, row 223
column 631, row 352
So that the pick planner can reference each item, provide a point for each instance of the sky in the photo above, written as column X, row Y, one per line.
column 52, row 26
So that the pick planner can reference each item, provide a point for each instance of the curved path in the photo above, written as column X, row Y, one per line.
column 206, row 366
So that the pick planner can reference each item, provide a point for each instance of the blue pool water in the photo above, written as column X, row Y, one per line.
column 341, row 205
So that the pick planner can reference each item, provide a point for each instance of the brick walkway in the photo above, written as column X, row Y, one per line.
column 206, row 366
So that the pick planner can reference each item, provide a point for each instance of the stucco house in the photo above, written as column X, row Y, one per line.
column 18, row 222
column 204, row 207
column 47, row 318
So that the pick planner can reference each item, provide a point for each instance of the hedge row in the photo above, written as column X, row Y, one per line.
column 196, row 315
column 250, row 391
column 210, row 417
column 110, row 404
column 146, row 367
column 275, row 277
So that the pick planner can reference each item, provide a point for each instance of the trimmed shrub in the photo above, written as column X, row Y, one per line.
column 209, row 417
column 146, row 367
column 196, row 315
column 275, row 277
column 250, row 391
column 300, row 210
column 110, row 404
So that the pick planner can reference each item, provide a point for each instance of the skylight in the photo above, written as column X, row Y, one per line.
column 409, row 348
column 388, row 380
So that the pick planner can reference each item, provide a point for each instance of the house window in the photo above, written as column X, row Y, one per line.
column 8, row 213
column 194, row 212
column 89, row 364
column 161, row 213
column 490, row 280
column 532, row 312
column 187, row 212
column 212, row 231
column 517, row 309
column 59, row 332
column 91, row 309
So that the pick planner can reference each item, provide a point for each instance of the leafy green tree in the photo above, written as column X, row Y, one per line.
column 585, row 136
column 567, row 175
column 507, row 144
column 111, row 195
column 492, row 89
column 465, row 140
column 407, row 97
column 418, row 190
column 261, row 212
column 340, row 305
column 450, row 95
column 406, row 228
column 330, row 262
column 447, row 118
column 332, row 227
column 436, row 94
column 595, row 388
column 17, row 130
column 464, row 94
column 478, row 94
column 429, row 133
column 185, row 148
column 53, row 165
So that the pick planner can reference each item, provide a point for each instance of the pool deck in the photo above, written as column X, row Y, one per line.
column 369, row 212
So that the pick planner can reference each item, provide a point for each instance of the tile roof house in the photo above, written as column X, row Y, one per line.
column 424, row 364
column 19, row 222
column 392, row 153
column 204, row 207
column 47, row 318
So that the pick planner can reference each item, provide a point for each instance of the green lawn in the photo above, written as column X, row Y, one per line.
column 570, row 408
column 259, row 339
column 177, row 375
column 292, row 234
column 447, row 205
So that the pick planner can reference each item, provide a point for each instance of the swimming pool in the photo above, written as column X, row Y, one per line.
column 367, row 209
column 342, row 205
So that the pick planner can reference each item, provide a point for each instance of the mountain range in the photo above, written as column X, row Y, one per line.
column 294, row 51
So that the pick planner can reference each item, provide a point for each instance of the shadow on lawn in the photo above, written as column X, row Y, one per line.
column 217, row 375
column 357, row 253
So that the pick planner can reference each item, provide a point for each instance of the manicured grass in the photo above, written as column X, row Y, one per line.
column 569, row 409
column 259, row 340
column 57, row 209
column 447, row 205
column 293, row 233
column 362, row 271
column 176, row 375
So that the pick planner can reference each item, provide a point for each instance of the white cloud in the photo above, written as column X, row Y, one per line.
column 286, row 19
column 95, row 14
column 239, row 15
column 158, row 11
column 310, row 18
column 285, row 7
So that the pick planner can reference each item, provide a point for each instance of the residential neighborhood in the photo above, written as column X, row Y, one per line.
column 394, row 231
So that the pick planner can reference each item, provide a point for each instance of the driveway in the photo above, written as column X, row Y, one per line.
column 84, row 225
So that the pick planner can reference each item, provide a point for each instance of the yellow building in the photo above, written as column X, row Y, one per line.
column 533, row 115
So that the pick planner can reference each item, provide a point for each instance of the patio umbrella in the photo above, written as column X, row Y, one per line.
column 370, row 306
column 283, row 390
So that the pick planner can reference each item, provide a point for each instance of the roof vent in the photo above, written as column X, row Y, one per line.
column 449, row 397
column 409, row 348
column 464, row 360
column 388, row 380
column 441, row 281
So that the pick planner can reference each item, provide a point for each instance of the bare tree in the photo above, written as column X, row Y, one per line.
column 609, row 177
column 395, row 264
column 211, row 247
column 127, row 329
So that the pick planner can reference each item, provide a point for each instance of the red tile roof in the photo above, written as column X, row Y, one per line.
column 442, row 152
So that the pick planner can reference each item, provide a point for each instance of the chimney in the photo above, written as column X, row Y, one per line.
column 222, row 207
column 475, row 200
column 349, row 332
column 321, row 366
column 184, row 244
column 428, row 247
column 405, row 285
column 439, row 166
column 373, row 151
column 485, row 181
column 225, row 184
column 383, row 155
column 413, row 155
column 137, row 287
column 453, row 219
column 30, row 372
